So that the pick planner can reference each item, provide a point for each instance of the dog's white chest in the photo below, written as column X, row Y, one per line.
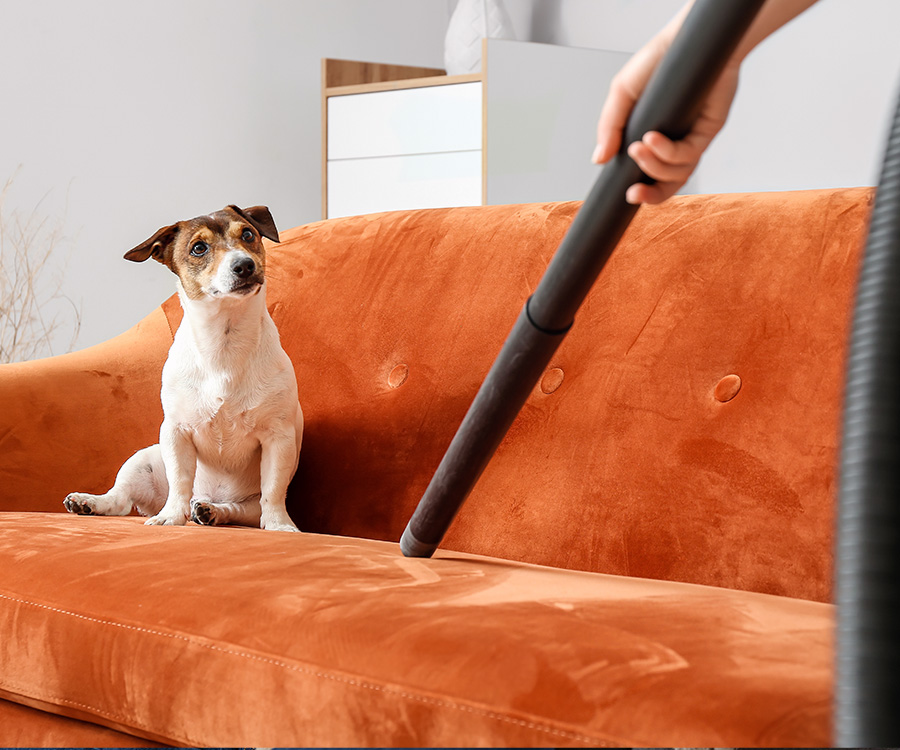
column 225, row 426
column 221, row 408
column 223, row 412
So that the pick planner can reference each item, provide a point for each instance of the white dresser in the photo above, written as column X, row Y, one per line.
column 396, row 137
column 410, row 148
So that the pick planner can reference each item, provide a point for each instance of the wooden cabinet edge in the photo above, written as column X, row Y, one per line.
column 411, row 83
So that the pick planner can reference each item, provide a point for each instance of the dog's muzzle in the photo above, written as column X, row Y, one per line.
column 246, row 275
column 243, row 268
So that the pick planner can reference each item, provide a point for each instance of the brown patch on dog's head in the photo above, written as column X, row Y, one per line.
column 260, row 218
column 215, row 255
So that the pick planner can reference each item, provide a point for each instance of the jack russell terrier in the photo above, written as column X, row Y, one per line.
column 230, row 438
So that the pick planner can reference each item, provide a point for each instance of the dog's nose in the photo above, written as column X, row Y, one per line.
column 243, row 267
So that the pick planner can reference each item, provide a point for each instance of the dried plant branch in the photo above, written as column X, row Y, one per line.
column 28, row 250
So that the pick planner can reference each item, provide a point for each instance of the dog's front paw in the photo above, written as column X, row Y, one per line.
column 203, row 513
column 79, row 503
column 279, row 522
column 280, row 527
column 165, row 518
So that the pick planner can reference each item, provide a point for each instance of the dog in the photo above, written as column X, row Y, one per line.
column 230, row 438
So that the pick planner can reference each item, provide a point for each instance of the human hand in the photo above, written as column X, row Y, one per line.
column 668, row 162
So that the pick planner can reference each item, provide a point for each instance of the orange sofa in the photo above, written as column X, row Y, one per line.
column 646, row 561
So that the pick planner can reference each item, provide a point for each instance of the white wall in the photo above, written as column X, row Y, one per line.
column 814, row 100
column 814, row 103
column 125, row 116
column 122, row 117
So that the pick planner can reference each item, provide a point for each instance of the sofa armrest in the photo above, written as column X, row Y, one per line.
column 67, row 423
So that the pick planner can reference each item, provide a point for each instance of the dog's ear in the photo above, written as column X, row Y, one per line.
column 156, row 246
column 260, row 218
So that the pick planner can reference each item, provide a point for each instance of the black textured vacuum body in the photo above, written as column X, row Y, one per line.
column 867, row 555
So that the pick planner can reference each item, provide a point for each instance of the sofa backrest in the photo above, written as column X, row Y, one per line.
column 687, row 428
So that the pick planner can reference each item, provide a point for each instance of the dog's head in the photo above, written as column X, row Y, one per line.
column 221, row 254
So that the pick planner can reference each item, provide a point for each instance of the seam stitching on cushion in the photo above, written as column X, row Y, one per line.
column 401, row 692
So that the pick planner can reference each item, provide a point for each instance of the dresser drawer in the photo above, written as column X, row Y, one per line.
column 425, row 120
column 369, row 185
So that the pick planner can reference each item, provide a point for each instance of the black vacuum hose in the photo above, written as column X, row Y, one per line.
column 670, row 103
column 867, row 698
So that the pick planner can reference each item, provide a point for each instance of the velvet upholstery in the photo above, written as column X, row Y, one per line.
column 631, row 466
column 686, row 431
column 23, row 726
column 321, row 640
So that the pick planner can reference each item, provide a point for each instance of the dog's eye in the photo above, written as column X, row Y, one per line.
column 199, row 248
column 247, row 235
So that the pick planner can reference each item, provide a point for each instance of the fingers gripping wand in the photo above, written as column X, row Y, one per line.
column 670, row 104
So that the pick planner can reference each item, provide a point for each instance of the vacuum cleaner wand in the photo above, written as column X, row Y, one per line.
column 670, row 104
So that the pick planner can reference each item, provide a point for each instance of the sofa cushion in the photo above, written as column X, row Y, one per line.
column 21, row 726
column 236, row 637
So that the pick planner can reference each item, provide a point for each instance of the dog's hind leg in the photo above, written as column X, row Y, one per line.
column 141, row 484
column 244, row 513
